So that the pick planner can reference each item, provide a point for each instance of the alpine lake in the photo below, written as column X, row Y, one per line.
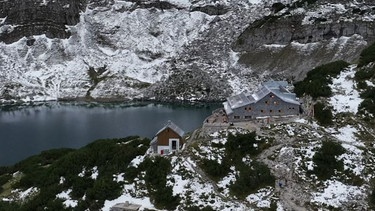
column 27, row 130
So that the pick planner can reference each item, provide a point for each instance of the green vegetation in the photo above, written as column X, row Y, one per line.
column 215, row 170
column 251, row 178
column 323, row 114
column 317, row 80
column 253, row 175
column 44, row 171
column 367, row 56
column 241, row 145
column 364, row 74
column 157, row 170
column 371, row 195
column 325, row 160
column 278, row 6
column 368, row 92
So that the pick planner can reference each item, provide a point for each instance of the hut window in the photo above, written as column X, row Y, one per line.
column 245, row 108
column 247, row 117
column 279, row 111
column 236, row 117
column 272, row 96
column 266, row 102
column 249, row 109
column 270, row 111
column 262, row 110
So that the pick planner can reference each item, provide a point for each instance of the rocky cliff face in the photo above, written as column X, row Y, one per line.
column 327, row 30
column 172, row 49
column 30, row 17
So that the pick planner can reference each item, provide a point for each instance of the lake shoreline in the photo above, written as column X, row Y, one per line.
column 28, row 129
column 108, row 101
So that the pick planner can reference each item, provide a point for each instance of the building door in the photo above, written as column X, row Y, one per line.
column 174, row 144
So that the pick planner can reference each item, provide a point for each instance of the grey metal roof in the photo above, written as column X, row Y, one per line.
column 173, row 127
column 239, row 100
column 227, row 108
column 154, row 141
column 278, row 88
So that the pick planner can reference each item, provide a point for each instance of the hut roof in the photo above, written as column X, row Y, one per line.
column 173, row 127
column 278, row 88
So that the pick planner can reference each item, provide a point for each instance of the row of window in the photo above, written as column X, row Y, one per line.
column 274, row 102
column 262, row 111
column 249, row 109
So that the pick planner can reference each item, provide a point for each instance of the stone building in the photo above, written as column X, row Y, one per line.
column 271, row 100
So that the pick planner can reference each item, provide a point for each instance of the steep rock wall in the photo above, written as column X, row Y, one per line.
column 31, row 17
column 294, row 40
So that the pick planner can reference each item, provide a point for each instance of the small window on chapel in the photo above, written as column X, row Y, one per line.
column 279, row 111
column 270, row 111
column 262, row 110
column 266, row 102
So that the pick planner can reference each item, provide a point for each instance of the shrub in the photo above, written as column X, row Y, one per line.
column 215, row 170
column 325, row 160
column 322, row 114
column 367, row 104
column 317, row 80
column 364, row 74
column 9, row 206
column 111, row 156
column 4, row 179
column 156, row 182
column 251, row 178
column 367, row 55
column 240, row 145
column 362, row 85
column 276, row 7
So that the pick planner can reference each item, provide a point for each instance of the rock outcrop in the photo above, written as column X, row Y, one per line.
column 24, row 18
column 171, row 50
column 296, row 38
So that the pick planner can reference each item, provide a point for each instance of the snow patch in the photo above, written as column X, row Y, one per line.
column 336, row 193
column 137, row 160
column 68, row 201
column 345, row 98
column 94, row 173
column 24, row 194
column 261, row 198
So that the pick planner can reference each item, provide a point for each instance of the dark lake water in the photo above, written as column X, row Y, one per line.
column 28, row 130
